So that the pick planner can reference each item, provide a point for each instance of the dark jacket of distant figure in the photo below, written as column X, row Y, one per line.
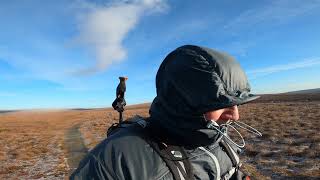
column 191, row 80
column 121, row 88
column 119, row 103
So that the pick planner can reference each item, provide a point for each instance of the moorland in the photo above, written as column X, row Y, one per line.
column 48, row 144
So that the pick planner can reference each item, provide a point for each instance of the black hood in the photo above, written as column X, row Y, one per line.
column 193, row 80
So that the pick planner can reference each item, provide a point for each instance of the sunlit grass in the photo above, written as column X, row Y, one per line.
column 33, row 143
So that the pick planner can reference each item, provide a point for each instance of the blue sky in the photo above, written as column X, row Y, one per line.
column 69, row 54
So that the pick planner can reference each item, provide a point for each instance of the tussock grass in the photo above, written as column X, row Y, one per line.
column 33, row 143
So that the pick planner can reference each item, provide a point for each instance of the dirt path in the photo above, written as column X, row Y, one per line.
column 74, row 147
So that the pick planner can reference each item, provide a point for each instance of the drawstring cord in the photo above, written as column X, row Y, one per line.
column 247, row 127
column 232, row 124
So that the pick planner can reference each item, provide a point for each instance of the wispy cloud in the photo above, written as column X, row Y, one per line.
column 286, row 86
column 278, row 68
column 278, row 11
column 7, row 94
column 238, row 48
column 102, row 28
column 34, row 66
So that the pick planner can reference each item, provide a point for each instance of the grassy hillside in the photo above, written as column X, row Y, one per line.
column 49, row 144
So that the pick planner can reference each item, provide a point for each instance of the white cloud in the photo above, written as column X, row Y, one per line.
column 278, row 11
column 103, row 28
column 277, row 68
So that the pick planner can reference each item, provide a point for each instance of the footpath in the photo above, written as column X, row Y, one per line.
column 74, row 146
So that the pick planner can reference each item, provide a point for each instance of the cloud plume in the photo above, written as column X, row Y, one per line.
column 102, row 28
column 278, row 68
column 276, row 12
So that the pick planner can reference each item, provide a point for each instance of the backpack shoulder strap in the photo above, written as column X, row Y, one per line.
column 174, row 156
column 175, row 159
column 231, row 153
column 234, row 171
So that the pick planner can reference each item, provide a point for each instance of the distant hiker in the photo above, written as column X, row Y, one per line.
column 119, row 103
column 121, row 88
column 185, row 137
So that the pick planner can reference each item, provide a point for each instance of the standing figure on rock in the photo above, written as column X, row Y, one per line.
column 119, row 103
column 121, row 88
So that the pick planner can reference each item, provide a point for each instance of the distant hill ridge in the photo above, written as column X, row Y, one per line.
column 306, row 95
column 7, row 111
column 305, row 91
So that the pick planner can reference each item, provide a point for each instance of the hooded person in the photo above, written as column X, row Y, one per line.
column 179, row 140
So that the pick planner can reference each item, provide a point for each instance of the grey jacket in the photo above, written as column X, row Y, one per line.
column 127, row 155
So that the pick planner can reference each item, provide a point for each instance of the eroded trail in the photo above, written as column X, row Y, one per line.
column 74, row 147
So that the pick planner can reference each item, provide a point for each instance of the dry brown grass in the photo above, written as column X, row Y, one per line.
column 94, row 130
column 33, row 143
column 290, row 144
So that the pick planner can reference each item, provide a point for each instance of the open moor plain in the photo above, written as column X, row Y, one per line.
column 47, row 144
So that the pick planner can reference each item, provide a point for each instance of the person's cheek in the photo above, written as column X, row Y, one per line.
column 226, row 116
